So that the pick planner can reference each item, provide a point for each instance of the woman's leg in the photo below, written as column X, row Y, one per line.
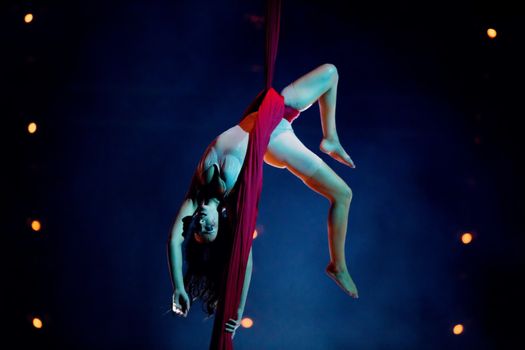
column 326, row 182
column 320, row 85
column 286, row 150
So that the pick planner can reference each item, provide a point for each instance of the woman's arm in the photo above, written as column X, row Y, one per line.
column 232, row 325
column 175, row 242
column 245, row 286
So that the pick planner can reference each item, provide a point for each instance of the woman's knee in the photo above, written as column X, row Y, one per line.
column 326, row 182
column 290, row 96
column 343, row 193
column 330, row 71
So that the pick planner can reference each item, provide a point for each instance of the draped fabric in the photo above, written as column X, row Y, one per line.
column 245, row 196
column 273, row 19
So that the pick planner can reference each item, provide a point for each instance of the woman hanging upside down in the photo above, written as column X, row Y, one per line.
column 204, row 209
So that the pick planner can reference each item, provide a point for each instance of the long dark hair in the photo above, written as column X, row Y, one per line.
column 206, row 263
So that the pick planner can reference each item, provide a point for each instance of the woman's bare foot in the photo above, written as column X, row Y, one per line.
column 333, row 148
column 343, row 279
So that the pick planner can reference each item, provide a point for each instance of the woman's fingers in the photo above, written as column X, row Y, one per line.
column 232, row 325
column 177, row 309
column 232, row 321
column 180, row 308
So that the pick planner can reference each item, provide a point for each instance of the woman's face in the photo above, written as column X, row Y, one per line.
column 206, row 221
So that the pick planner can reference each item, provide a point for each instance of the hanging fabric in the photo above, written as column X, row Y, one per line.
column 245, row 197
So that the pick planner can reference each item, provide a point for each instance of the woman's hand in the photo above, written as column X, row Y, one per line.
column 232, row 325
column 180, row 303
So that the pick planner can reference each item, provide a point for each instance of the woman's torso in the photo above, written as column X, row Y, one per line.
column 227, row 152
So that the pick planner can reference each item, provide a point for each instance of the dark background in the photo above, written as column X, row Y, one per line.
column 127, row 95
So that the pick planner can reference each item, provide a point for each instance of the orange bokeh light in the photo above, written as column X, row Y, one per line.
column 35, row 225
column 37, row 323
column 466, row 238
column 247, row 322
column 255, row 234
column 31, row 128
column 28, row 18
column 492, row 33
column 458, row 329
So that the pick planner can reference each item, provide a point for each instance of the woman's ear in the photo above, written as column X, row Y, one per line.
column 224, row 213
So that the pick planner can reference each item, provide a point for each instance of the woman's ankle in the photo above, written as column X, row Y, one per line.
column 336, row 267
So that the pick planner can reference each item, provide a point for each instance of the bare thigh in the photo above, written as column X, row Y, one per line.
column 287, row 151
column 303, row 92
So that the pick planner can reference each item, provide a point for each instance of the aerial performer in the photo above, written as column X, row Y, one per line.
column 218, row 214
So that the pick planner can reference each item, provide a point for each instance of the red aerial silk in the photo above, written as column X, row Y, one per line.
column 248, row 188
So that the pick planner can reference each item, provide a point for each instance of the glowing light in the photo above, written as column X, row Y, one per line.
column 255, row 234
column 247, row 322
column 31, row 128
column 466, row 238
column 35, row 225
column 28, row 18
column 37, row 323
column 492, row 33
column 458, row 329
